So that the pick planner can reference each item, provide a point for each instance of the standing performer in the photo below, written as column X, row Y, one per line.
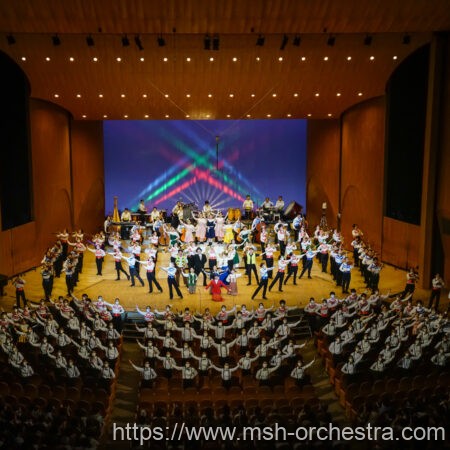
column 99, row 256
column 117, row 255
column 281, row 231
column 149, row 266
column 219, row 229
column 309, row 258
column 251, row 266
column 19, row 284
column 232, row 281
column 437, row 284
column 345, row 268
column 282, row 264
column 198, row 262
column 264, row 279
column 171, row 281
column 191, row 280
column 293, row 268
column 215, row 287
column 47, row 280
column 131, row 260
column 248, row 207
column 200, row 230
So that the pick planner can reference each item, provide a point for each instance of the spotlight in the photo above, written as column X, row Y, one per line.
column 331, row 41
column 56, row 40
column 125, row 41
column 296, row 41
column 161, row 41
column 284, row 42
column 260, row 41
column 406, row 39
column 137, row 41
column 10, row 39
column 207, row 42
column 368, row 40
column 215, row 42
column 90, row 41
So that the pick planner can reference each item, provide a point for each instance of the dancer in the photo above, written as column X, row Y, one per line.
column 117, row 255
column 149, row 266
column 171, row 281
column 264, row 279
column 215, row 287
column 282, row 264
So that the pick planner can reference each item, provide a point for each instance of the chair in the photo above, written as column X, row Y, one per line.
column 235, row 392
column 73, row 394
column 45, row 391
column 4, row 389
column 378, row 387
column 30, row 390
column 418, row 382
column 405, row 384
column 87, row 394
column 264, row 391
column 391, row 385
column 17, row 389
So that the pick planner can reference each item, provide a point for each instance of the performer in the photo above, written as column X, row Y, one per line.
column 210, row 228
column 19, row 284
column 215, row 287
column 171, row 281
column 411, row 279
column 309, row 258
column 149, row 266
column 142, row 211
column 282, row 264
column 131, row 260
column 177, row 212
column 200, row 230
column 293, row 268
column 198, row 263
column 117, row 255
column 280, row 229
column 47, row 280
column 251, row 266
column 279, row 206
column 247, row 205
column 191, row 280
column 264, row 279
column 232, row 281
column 437, row 284
column 345, row 268
column 125, row 229
column 220, row 227
column 99, row 257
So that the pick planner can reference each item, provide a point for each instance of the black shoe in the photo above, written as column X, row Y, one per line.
column 160, row 291
column 309, row 277
column 280, row 290
column 132, row 285
column 117, row 279
column 128, row 277
column 248, row 284
column 295, row 284
column 150, row 292
column 264, row 298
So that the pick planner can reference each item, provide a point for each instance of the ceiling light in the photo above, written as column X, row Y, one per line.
column 211, row 59
column 56, row 40
column 207, row 42
column 258, row 58
column 209, row 95
column 394, row 57
column 161, row 41
column 167, row 116
column 47, row 58
column 349, row 58
column 280, row 58
column 288, row 115
column 372, row 58
column 208, row 116
column 368, row 40
column 215, row 42
column 56, row 95
column 119, row 59
column 252, row 95
column 166, row 95
column 234, row 59
column 325, row 58
column 122, row 95
column 188, row 59
column 331, row 41
column 105, row 116
column 329, row 114
column 125, row 116
column 125, row 41
column 71, row 59
column 316, row 94
column 23, row 58
column 188, row 95
column 90, row 41
column 10, row 39
column 95, row 59
column 309, row 115
column 296, row 41
column 100, row 95
column 284, row 41
column 187, row 116
column 142, row 59
column 360, row 94
column 84, row 116
column 295, row 94
column 165, row 59
column 248, row 115
column 303, row 58
column 274, row 94
column 269, row 115
column 338, row 94
column 144, row 95
column 228, row 115
column 406, row 39
column 138, row 42
column 260, row 41
column 146, row 116
column 78, row 95
column 231, row 95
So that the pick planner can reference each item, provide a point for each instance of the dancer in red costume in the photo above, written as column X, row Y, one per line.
column 215, row 287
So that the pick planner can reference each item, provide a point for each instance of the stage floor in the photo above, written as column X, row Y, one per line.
column 318, row 287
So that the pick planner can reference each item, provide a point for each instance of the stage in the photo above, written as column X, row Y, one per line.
column 318, row 287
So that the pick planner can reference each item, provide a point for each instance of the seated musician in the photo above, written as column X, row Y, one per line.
column 125, row 230
column 142, row 211
column 207, row 208
column 155, row 215
column 279, row 206
column 267, row 208
column 248, row 207
column 125, row 216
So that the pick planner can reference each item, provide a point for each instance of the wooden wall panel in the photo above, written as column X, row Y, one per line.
column 363, row 170
column 322, row 170
column 88, row 175
column 400, row 243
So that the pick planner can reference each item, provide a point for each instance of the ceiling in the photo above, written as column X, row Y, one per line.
column 239, row 80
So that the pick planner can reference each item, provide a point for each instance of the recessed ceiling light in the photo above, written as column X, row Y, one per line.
column 349, row 58
column 56, row 95
column 209, row 95
column 71, row 59
column 187, row 116
column 309, row 115
column 248, row 115
column 274, row 94
column 295, row 94
column 47, row 59
column 146, row 116
column 228, row 115
column 288, row 115
column 252, row 95
column 394, row 57
column 316, row 94
column 188, row 95
column 325, row 58
column 303, row 58
column 95, row 59
column 165, row 59
column 78, row 95
column 23, row 58
column 188, row 59
column 280, row 58
column 166, row 95
column 141, row 59
column 372, row 58
column 360, row 94
column 269, row 115
column 208, row 116
column 167, row 116
column 105, row 116
column 231, row 95
column 144, row 95
column 100, row 95
column 234, row 59
column 338, row 94
column 211, row 59
column 258, row 58
column 84, row 116
column 118, row 59
column 125, row 116
column 329, row 114
column 122, row 95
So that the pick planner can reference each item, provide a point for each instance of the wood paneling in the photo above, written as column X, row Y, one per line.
column 363, row 170
column 400, row 243
column 33, row 22
column 323, row 170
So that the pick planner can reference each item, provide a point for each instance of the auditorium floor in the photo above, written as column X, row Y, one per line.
column 318, row 287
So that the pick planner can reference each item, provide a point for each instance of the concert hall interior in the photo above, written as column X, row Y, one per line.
column 196, row 108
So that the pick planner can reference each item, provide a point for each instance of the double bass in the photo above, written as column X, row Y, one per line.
column 163, row 236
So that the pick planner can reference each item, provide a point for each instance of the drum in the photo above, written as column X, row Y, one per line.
column 292, row 210
column 237, row 213
column 230, row 214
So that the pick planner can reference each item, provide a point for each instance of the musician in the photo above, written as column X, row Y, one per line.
column 437, row 284
column 207, row 208
column 177, row 211
column 124, row 229
column 412, row 278
column 248, row 207
column 297, row 223
column 142, row 210
column 19, row 284
column 125, row 216
column 267, row 208
column 155, row 215
column 279, row 205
